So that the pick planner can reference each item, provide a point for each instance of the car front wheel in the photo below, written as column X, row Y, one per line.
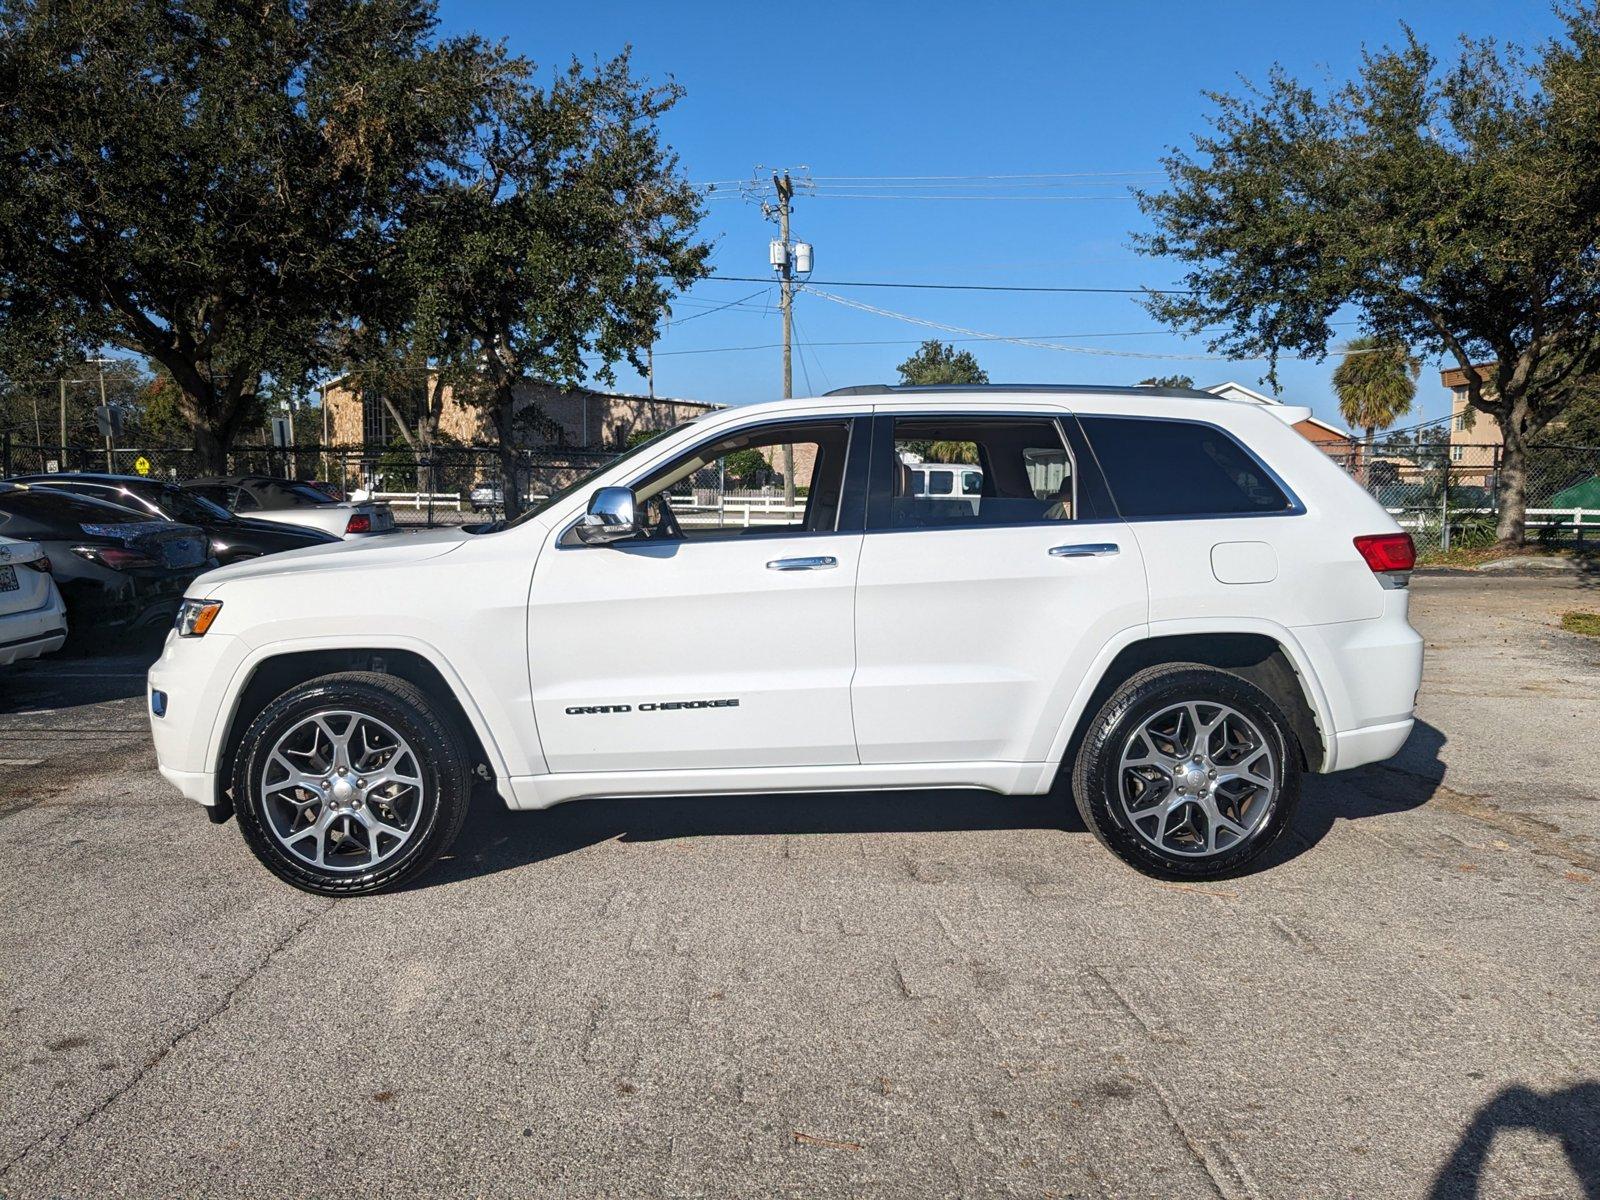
column 350, row 784
column 1188, row 772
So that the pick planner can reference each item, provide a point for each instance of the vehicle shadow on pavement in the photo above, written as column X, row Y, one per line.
column 1570, row 1116
column 496, row 839
column 78, row 675
column 1404, row 782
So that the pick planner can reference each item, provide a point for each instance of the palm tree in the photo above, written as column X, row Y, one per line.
column 1376, row 381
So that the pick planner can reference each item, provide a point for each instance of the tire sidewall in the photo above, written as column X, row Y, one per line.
column 438, row 756
column 1096, row 781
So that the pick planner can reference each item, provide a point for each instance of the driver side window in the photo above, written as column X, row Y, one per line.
column 741, row 484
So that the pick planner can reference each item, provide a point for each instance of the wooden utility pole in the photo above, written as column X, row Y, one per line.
column 61, row 465
column 785, row 190
column 105, row 408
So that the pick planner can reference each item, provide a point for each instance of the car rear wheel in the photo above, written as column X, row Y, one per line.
column 1188, row 772
column 350, row 784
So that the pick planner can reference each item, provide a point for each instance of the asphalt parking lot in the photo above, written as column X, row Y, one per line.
column 917, row 995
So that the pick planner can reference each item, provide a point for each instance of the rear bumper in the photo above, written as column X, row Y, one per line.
column 127, row 600
column 35, row 632
column 1370, row 672
column 1370, row 744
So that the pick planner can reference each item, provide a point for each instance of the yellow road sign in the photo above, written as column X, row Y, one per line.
column 142, row 465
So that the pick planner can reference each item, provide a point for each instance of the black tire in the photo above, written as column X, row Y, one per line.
column 1096, row 786
column 436, row 816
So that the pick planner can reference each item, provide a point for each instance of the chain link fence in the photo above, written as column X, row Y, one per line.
column 449, row 485
column 1444, row 493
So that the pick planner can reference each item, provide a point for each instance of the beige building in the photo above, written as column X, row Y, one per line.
column 1469, row 427
column 548, row 416
column 1475, row 436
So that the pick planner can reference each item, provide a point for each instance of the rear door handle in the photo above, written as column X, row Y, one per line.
column 821, row 562
column 1085, row 550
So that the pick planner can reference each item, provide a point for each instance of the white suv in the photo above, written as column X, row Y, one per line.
column 1167, row 603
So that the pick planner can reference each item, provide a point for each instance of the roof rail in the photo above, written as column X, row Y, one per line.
column 1079, row 389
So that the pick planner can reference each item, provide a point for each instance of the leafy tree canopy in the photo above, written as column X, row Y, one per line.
column 1456, row 210
column 937, row 362
column 549, row 249
column 210, row 183
column 1173, row 381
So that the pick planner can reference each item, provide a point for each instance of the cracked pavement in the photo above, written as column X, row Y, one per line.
column 901, row 994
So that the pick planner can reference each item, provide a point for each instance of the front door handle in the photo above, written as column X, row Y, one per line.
column 1085, row 550
column 821, row 562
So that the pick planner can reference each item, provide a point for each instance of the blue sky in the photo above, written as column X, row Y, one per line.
column 864, row 92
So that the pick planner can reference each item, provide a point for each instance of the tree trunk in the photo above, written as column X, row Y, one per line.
column 1511, row 480
column 211, row 447
column 213, row 414
column 503, row 410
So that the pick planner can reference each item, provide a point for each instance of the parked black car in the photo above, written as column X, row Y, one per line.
column 232, row 538
column 249, row 492
column 117, row 569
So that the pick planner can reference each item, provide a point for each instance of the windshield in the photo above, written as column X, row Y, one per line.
column 581, row 481
column 186, row 506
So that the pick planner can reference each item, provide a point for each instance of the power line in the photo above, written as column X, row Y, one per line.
column 944, row 196
column 720, row 307
column 931, row 180
column 971, row 287
column 1018, row 176
column 1017, row 341
column 1097, row 351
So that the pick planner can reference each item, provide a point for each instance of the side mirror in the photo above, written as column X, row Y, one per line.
column 611, row 517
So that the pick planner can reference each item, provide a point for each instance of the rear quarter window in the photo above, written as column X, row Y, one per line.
column 1159, row 468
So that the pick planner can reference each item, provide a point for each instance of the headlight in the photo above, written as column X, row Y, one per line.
column 195, row 616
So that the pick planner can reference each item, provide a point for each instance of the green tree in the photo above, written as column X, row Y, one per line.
column 747, row 466
column 1376, row 382
column 937, row 362
column 557, row 239
column 209, row 183
column 1455, row 211
column 1168, row 381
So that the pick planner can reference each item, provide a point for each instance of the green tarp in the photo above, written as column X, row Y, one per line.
column 1580, row 495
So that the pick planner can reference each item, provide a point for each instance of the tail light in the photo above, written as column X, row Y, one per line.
column 358, row 523
column 115, row 557
column 40, row 564
column 1388, row 552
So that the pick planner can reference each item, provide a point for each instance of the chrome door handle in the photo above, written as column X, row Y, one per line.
column 1085, row 550
column 821, row 562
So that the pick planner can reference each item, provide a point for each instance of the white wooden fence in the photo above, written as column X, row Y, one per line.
column 1415, row 520
column 737, row 512
column 419, row 500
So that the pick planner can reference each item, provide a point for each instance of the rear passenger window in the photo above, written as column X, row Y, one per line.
column 1161, row 468
column 971, row 470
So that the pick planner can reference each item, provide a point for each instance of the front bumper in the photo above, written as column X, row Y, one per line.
column 194, row 674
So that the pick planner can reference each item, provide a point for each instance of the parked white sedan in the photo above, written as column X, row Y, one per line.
column 292, row 502
column 33, row 620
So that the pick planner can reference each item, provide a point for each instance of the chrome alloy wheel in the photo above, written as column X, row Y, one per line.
column 1197, row 779
column 342, row 791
